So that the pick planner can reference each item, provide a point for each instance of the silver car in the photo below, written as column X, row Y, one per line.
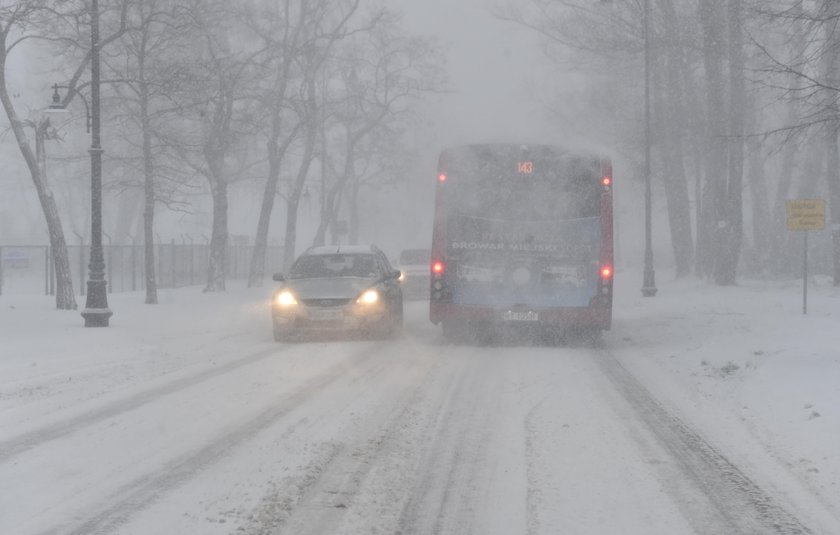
column 339, row 289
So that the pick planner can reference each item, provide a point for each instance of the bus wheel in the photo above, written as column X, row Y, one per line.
column 281, row 334
column 453, row 330
column 595, row 338
column 587, row 336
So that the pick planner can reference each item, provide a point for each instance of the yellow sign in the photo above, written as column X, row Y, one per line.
column 806, row 214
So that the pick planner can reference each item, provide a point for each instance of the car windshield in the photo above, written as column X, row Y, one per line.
column 415, row 256
column 335, row 265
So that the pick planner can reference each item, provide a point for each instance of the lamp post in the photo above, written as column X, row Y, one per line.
column 96, row 312
column 649, row 279
column 58, row 107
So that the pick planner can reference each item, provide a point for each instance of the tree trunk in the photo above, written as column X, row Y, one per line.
column 698, row 143
column 354, row 210
column 714, row 189
column 674, row 177
column 320, row 237
column 290, row 242
column 726, row 265
column 336, row 193
column 832, row 169
column 218, row 240
column 832, row 177
column 129, row 208
column 64, row 298
column 257, row 268
column 148, row 191
column 329, row 213
column 761, row 224
column 779, row 260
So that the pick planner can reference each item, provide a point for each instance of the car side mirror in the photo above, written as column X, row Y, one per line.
column 278, row 277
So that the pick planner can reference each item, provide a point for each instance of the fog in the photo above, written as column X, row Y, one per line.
column 521, row 72
column 521, row 353
column 498, row 74
column 499, row 84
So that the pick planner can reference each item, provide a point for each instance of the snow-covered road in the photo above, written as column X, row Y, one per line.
column 208, row 427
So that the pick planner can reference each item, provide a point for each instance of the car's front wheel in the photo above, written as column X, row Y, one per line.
column 390, row 325
column 397, row 319
column 281, row 334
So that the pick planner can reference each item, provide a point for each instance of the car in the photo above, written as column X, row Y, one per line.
column 338, row 289
column 415, row 279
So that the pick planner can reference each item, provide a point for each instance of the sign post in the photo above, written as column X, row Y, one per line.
column 805, row 274
column 805, row 214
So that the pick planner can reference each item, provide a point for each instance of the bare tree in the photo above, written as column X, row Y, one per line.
column 669, row 45
column 607, row 39
column 308, row 108
column 380, row 75
column 46, row 22
column 383, row 161
column 150, row 74
column 807, row 83
column 730, row 222
column 831, row 132
column 297, row 36
column 217, row 116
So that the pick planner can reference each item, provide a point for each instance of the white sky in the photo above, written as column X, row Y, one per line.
column 494, row 68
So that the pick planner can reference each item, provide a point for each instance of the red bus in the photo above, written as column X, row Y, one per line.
column 523, row 235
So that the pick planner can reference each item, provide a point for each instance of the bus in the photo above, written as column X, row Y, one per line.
column 522, row 236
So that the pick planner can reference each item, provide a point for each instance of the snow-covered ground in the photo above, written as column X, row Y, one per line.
column 707, row 410
column 750, row 370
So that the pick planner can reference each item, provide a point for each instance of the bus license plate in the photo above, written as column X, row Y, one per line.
column 516, row 315
column 326, row 315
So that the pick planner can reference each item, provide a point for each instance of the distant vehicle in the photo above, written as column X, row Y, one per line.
column 340, row 289
column 415, row 267
column 523, row 235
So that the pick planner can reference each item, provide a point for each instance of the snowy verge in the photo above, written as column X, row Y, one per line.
column 51, row 365
column 747, row 367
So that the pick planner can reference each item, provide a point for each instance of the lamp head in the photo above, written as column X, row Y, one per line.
column 56, row 106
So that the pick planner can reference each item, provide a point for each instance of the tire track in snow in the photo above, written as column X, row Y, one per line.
column 739, row 502
column 533, row 496
column 141, row 492
column 337, row 486
column 11, row 447
column 450, row 474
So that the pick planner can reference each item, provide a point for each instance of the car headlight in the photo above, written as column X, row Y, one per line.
column 368, row 298
column 402, row 276
column 285, row 299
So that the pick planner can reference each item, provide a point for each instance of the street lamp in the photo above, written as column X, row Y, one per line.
column 57, row 107
column 649, row 279
column 96, row 312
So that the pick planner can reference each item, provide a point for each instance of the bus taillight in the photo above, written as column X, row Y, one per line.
column 442, row 177
column 606, row 272
column 438, row 268
column 606, row 180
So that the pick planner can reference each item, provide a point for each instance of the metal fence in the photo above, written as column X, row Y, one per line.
column 30, row 268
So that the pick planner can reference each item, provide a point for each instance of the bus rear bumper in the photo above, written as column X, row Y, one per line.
column 568, row 318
